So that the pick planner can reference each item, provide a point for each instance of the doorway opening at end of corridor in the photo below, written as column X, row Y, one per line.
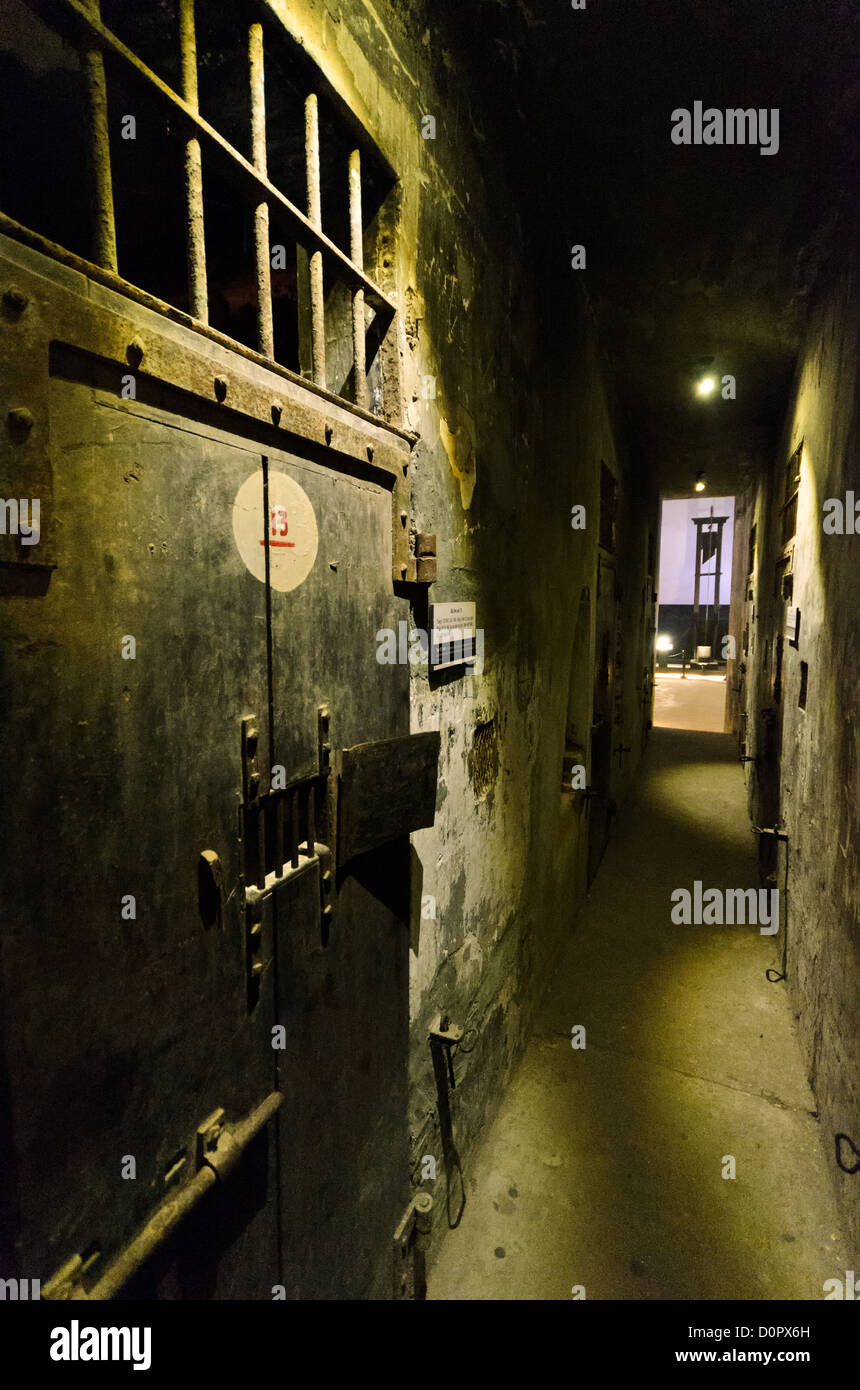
column 693, row 639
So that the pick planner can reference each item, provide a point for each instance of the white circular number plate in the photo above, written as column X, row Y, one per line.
column 292, row 534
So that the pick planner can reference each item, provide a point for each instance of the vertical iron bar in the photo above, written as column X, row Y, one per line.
column 265, row 329
column 280, row 854
column 303, row 818
column 356, row 252
column 261, row 840
column 254, row 865
column 294, row 829
column 104, row 231
column 312, row 169
column 310, row 822
column 270, row 820
column 198, row 294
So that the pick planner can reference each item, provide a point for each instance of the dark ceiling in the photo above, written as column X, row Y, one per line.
column 693, row 251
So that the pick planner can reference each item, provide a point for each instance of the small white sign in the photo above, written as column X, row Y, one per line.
column 291, row 532
column 452, row 635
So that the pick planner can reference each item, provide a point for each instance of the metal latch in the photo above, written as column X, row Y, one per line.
column 219, row 1148
column 445, row 1034
column 321, row 856
column 279, row 828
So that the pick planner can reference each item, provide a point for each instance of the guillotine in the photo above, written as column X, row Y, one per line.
column 709, row 545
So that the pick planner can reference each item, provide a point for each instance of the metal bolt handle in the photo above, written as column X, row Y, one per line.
column 227, row 1145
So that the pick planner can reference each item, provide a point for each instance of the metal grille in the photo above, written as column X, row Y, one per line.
column 322, row 261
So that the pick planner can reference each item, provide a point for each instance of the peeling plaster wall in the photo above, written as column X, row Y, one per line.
column 507, row 869
column 807, row 773
column 513, row 425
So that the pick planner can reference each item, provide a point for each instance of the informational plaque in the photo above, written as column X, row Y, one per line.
column 453, row 635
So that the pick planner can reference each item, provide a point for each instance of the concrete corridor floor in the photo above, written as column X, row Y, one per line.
column 689, row 702
column 603, row 1167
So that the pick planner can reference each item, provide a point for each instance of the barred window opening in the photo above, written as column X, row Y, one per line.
column 227, row 179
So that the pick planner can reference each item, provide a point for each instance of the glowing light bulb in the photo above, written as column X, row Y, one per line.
column 706, row 386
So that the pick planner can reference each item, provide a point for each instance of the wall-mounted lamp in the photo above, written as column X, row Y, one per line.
column 700, row 482
column 705, row 385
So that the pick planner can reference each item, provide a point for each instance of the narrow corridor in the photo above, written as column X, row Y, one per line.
column 429, row 544
column 604, row 1166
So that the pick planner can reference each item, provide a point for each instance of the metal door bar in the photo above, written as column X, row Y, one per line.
column 220, row 1148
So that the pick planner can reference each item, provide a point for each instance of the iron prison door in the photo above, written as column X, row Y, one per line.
column 208, row 786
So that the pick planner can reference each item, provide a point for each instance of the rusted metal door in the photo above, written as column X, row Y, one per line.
column 184, row 946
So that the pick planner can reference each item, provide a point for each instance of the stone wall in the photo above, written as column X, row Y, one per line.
column 803, row 726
